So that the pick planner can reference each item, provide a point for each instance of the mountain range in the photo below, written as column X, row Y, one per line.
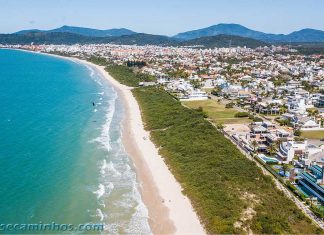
column 82, row 31
column 304, row 35
column 220, row 35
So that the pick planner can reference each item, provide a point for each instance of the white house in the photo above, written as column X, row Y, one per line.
column 310, row 124
column 287, row 150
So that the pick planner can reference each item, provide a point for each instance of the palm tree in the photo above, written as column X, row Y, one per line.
column 272, row 149
column 312, row 112
column 282, row 109
column 254, row 145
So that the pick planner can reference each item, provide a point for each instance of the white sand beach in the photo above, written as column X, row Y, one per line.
column 170, row 212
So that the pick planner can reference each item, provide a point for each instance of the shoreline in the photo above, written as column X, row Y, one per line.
column 169, row 211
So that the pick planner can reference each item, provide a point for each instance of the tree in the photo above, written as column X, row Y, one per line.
column 196, row 84
column 297, row 132
column 312, row 112
column 285, row 168
column 272, row 149
column 216, row 91
column 307, row 86
column 254, row 145
column 229, row 105
column 282, row 109
column 220, row 126
column 241, row 114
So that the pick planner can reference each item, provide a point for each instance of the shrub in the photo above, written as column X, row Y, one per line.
column 241, row 114
column 213, row 172
column 200, row 110
column 257, row 119
column 229, row 105
column 318, row 211
column 297, row 132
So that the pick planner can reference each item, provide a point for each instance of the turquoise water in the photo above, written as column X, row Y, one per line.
column 267, row 159
column 61, row 158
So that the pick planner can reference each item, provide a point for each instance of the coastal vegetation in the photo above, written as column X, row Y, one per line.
column 98, row 60
column 127, row 76
column 228, row 191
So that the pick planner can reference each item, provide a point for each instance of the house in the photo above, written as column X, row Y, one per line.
column 288, row 150
column 301, row 93
column 312, row 181
column 145, row 84
column 305, row 123
column 194, row 94
column 209, row 83
column 306, row 153
column 320, row 102
column 268, row 125
column 266, row 108
column 243, row 94
column 258, row 130
column 281, row 133
column 294, row 84
column 277, row 135
column 313, row 154
column 309, row 124
column 236, row 91
column 163, row 81
column 288, row 116
column 296, row 105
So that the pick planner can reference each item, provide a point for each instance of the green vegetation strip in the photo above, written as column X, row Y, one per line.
column 126, row 75
column 220, row 181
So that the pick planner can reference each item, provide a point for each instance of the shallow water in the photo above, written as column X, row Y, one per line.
column 61, row 158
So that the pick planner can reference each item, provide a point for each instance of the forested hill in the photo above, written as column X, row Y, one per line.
column 133, row 39
column 72, row 38
column 146, row 39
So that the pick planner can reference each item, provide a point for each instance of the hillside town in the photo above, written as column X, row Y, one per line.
column 274, row 98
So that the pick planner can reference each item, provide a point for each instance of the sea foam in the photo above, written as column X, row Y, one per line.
column 104, row 138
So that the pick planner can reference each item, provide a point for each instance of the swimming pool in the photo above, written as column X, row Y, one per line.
column 266, row 159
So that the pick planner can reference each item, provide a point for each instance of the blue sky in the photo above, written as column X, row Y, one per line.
column 162, row 16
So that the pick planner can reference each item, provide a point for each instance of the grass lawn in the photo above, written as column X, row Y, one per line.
column 313, row 134
column 217, row 112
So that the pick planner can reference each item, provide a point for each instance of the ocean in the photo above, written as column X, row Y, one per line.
column 61, row 157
